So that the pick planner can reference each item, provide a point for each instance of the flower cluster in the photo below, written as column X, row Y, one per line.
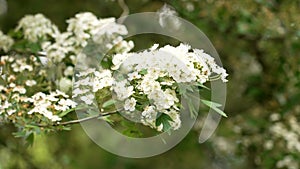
column 277, row 136
column 181, row 64
column 86, row 28
column 37, row 79
column 37, row 28
column 5, row 42
column 47, row 104
column 91, row 81
column 147, row 82
column 16, row 93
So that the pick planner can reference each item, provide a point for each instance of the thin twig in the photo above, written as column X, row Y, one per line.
column 125, row 9
column 80, row 120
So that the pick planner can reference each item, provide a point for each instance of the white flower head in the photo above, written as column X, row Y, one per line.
column 130, row 104
column 30, row 83
column 5, row 42
column 88, row 99
column 36, row 27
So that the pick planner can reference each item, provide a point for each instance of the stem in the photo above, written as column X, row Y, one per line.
column 80, row 120
column 125, row 9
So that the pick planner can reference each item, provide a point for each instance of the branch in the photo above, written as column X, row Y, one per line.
column 80, row 120
column 125, row 9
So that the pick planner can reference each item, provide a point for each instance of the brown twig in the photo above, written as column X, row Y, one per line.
column 79, row 120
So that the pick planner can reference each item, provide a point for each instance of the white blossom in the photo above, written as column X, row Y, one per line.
column 88, row 99
column 44, row 103
column 130, row 104
column 37, row 27
column 5, row 42
column 19, row 89
column 30, row 83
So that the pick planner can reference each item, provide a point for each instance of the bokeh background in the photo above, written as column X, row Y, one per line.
column 259, row 44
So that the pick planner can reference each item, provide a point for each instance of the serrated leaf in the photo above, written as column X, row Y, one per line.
column 214, row 106
column 210, row 103
column 164, row 119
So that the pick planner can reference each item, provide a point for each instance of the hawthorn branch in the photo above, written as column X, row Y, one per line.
column 79, row 120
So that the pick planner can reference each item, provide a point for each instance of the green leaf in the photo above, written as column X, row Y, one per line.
column 164, row 119
column 30, row 139
column 214, row 106
column 210, row 103
column 203, row 86
column 21, row 133
column 62, row 114
column 143, row 72
column 109, row 103
column 131, row 129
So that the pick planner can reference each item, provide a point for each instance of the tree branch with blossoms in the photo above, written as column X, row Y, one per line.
column 40, row 88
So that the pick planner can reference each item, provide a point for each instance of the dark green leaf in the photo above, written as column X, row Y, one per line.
column 164, row 119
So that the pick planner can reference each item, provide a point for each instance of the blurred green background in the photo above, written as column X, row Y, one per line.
column 259, row 44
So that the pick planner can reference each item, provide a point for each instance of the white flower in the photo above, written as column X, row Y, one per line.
column 54, row 118
column 44, row 104
column 12, row 85
column 178, row 62
column 36, row 27
column 86, row 72
column 19, row 89
column 69, row 71
column 134, row 75
column 289, row 162
column 10, row 112
column 79, row 91
column 20, row 65
column 122, row 90
column 149, row 116
column 163, row 100
column 2, row 88
column 160, row 127
column 154, row 47
column 175, row 116
column 88, row 99
column 65, row 104
column 65, row 84
column 130, row 104
column 59, row 93
column 84, row 82
column 6, row 105
column 5, row 42
column 30, row 82
column 118, row 60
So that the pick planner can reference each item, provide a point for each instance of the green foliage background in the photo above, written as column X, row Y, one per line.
column 259, row 44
